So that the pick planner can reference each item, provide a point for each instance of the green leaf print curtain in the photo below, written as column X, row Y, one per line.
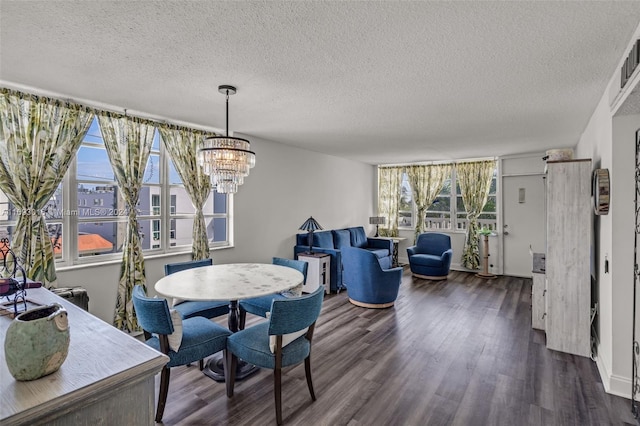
column 182, row 145
column 128, row 143
column 474, row 179
column 426, row 183
column 389, row 181
column 38, row 139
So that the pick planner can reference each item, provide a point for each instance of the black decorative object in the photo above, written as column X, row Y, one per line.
column 13, row 281
column 310, row 225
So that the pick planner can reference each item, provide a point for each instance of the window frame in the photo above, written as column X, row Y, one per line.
column 456, row 224
column 71, row 205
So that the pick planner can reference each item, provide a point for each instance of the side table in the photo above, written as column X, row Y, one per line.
column 394, row 253
column 318, row 272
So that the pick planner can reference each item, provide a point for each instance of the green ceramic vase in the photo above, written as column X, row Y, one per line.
column 37, row 342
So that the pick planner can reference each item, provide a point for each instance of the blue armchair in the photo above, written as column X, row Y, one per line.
column 430, row 258
column 198, row 338
column 270, row 345
column 368, row 284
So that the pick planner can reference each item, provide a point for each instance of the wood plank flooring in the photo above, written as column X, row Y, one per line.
column 455, row 352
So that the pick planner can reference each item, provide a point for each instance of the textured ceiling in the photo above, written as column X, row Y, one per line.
column 379, row 82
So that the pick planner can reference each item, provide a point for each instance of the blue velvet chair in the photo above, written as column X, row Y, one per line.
column 261, row 305
column 200, row 338
column 192, row 308
column 368, row 284
column 264, row 344
column 430, row 258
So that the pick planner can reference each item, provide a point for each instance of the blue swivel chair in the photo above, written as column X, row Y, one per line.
column 430, row 258
column 190, row 308
column 261, row 305
column 263, row 344
column 368, row 285
column 200, row 338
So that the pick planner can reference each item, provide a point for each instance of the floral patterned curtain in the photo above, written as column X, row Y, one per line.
column 426, row 183
column 474, row 179
column 128, row 143
column 182, row 145
column 389, row 181
column 38, row 139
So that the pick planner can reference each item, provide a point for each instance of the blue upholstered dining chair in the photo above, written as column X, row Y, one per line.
column 270, row 344
column 261, row 305
column 193, row 308
column 196, row 308
column 183, row 341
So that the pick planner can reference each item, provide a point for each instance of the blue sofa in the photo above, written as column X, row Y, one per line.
column 332, row 241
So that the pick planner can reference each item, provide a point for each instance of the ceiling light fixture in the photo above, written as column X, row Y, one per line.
column 226, row 159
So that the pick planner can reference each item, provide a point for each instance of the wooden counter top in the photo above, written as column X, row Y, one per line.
column 107, row 378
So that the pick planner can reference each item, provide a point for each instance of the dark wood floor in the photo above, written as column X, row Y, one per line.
column 456, row 352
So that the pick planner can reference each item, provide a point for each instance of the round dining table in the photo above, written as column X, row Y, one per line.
column 229, row 282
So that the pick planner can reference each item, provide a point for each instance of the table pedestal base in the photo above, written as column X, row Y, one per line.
column 215, row 370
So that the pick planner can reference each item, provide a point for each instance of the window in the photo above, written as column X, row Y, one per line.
column 155, row 204
column 447, row 212
column 182, row 214
column 95, row 214
column 438, row 215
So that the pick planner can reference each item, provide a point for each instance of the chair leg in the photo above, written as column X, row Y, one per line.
column 243, row 319
column 201, row 364
column 307, row 370
column 164, row 390
column 230, row 371
column 277, row 392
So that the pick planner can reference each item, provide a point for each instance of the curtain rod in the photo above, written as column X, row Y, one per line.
column 430, row 163
column 103, row 107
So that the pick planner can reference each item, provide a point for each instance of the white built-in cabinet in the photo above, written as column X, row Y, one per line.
column 567, row 298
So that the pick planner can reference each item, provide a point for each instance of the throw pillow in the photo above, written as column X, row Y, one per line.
column 341, row 238
column 286, row 338
column 175, row 338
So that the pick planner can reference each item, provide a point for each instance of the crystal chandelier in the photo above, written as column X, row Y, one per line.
column 226, row 159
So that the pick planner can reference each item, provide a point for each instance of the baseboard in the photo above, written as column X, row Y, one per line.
column 613, row 384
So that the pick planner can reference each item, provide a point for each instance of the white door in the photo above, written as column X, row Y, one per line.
column 523, row 222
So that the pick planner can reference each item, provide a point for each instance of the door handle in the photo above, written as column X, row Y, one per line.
column 505, row 233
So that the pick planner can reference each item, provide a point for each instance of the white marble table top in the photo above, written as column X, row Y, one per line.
column 234, row 281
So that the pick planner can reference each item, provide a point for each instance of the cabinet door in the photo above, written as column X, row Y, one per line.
column 537, row 302
column 568, row 257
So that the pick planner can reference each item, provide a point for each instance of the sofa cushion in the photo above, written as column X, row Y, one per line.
column 380, row 253
column 427, row 260
column 358, row 237
column 341, row 238
column 323, row 239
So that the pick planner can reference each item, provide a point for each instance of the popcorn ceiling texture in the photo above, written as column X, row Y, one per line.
column 376, row 82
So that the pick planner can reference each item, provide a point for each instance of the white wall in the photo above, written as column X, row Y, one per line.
column 286, row 186
column 610, row 142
